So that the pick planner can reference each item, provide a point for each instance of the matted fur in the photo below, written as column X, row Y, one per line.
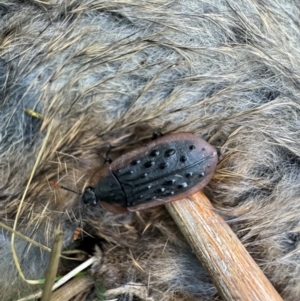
column 111, row 72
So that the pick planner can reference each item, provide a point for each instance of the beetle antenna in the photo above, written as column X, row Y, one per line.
column 56, row 185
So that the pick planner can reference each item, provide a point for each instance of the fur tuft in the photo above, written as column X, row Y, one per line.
column 111, row 72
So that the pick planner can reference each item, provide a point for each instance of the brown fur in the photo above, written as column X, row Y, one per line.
column 111, row 72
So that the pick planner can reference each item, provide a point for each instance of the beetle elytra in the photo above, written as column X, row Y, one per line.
column 164, row 170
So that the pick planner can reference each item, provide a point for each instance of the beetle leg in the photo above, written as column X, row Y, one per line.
column 107, row 160
column 106, row 157
column 156, row 134
column 218, row 151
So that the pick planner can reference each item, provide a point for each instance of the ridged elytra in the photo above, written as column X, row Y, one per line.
column 164, row 170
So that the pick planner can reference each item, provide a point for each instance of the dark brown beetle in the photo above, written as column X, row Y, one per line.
column 164, row 170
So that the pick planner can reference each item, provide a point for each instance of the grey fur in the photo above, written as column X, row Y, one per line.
column 104, row 70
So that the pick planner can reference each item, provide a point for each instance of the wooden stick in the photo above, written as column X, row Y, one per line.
column 74, row 287
column 233, row 271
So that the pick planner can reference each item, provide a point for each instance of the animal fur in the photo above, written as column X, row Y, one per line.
column 111, row 72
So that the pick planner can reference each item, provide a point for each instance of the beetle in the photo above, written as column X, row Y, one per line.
column 169, row 168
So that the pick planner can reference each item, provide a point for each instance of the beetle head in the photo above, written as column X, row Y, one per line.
column 89, row 196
